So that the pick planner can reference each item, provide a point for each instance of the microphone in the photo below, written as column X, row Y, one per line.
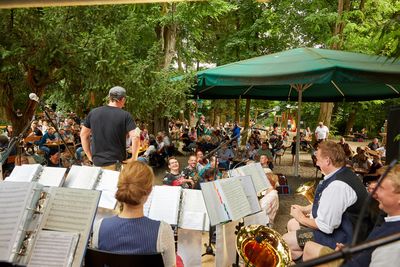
column 34, row 97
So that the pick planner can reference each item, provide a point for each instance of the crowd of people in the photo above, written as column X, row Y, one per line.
column 109, row 137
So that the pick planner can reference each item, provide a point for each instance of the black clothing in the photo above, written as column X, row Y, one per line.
column 109, row 126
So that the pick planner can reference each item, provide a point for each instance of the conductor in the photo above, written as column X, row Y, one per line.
column 108, row 127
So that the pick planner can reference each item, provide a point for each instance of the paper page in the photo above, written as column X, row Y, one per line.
column 147, row 204
column 193, row 214
column 250, row 192
column 72, row 210
column 52, row 176
column 165, row 204
column 84, row 177
column 257, row 174
column 216, row 209
column 15, row 198
column 53, row 248
column 108, row 185
column 234, row 196
column 24, row 173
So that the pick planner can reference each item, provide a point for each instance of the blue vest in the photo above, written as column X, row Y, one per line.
column 344, row 233
column 129, row 236
column 364, row 258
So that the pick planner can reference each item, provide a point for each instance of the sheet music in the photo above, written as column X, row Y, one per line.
column 257, row 174
column 84, row 177
column 216, row 209
column 15, row 198
column 250, row 192
column 53, row 248
column 234, row 196
column 193, row 214
column 52, row 176
column 108, row 185
column 24, row 173
column 165, row 204
column 72, row 210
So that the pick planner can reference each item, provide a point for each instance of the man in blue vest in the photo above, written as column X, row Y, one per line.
column 333, row 214
column 388, row 197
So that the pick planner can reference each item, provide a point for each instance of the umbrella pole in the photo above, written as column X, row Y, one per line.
column 300, row 88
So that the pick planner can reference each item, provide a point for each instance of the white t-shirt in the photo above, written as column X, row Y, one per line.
column 321, row 132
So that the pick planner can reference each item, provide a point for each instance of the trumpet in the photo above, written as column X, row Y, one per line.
column 261, row 246
column 308, row 190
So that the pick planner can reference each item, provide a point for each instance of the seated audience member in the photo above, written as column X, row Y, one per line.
column 225, row 156
column 374, row 145
column 190, row 171
column 265, row 164
column 360, row 160
column 54, row 159
column 130, row 232
column 388, row 197
column 346, row 148
column 48, row 137
column 331, row 221
column 269, row 203
column 251, row 152
column 264, row 150
column 148, row 155
column 174, row 177
column 372, row 174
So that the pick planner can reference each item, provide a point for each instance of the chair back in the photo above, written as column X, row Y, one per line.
column 100, row 258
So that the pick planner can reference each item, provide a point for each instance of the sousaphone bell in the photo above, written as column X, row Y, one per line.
column 261, row 246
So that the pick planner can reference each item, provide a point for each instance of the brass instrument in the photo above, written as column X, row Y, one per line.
column 260, row 246
column 308, row 190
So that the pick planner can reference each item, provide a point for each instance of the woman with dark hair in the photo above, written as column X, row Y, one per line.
column 130, row 232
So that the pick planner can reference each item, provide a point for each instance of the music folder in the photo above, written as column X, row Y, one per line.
column 43, row 225
column 184, row 208
column 257, row 174
column 47, row 176
column 230, row 199
column 95, row 178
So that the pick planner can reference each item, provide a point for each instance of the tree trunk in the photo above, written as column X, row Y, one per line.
column 246, row 122
column 169, row 39
column 351, row 119
column 325, row 113
column 237, row 110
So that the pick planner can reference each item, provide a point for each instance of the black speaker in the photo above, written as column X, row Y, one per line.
column 393, row 130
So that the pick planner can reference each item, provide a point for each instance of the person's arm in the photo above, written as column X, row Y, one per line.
column 85, row 140
column 166, row 244
column 298, row 214
column 135, row 137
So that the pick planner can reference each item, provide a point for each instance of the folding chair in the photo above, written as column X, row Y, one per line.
column 100, row 258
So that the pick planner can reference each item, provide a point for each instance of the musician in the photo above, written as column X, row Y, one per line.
column 174, row 177
column 210, row 172
column 330, row 221
column 265, row 164
column 269, row 203
column 190, row 171
column 388, row 196
column 130, row 232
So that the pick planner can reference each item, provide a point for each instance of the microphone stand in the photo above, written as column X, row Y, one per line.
column 347, row 252
column 74, row 159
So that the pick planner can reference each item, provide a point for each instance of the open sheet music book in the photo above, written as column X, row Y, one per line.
column 176, row 206
column 86, row 177
column 257, row 174
column 230, row 199
column 41, row 225
column 47, row 176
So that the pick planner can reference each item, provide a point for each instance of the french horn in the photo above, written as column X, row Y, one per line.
column 308, row 190
column 261, row 246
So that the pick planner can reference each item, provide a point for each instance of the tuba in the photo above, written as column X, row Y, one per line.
column 260, row 246
column 308, row 190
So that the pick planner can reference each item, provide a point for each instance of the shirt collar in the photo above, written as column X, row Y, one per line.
column 326, row 177
column 392, row 218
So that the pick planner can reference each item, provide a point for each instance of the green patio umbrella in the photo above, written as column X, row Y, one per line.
column 303, row 74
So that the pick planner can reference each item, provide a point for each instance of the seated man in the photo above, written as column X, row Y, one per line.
column 346, row 148
column 388, row 196
column 330, row 221
column 265, row 164
column 374, row 145
column 225, row 155
column 264, row 150
column 48, row 137
column 174, row 177
column 190, row 172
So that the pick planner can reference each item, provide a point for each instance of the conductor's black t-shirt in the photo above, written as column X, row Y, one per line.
column 109, row 126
